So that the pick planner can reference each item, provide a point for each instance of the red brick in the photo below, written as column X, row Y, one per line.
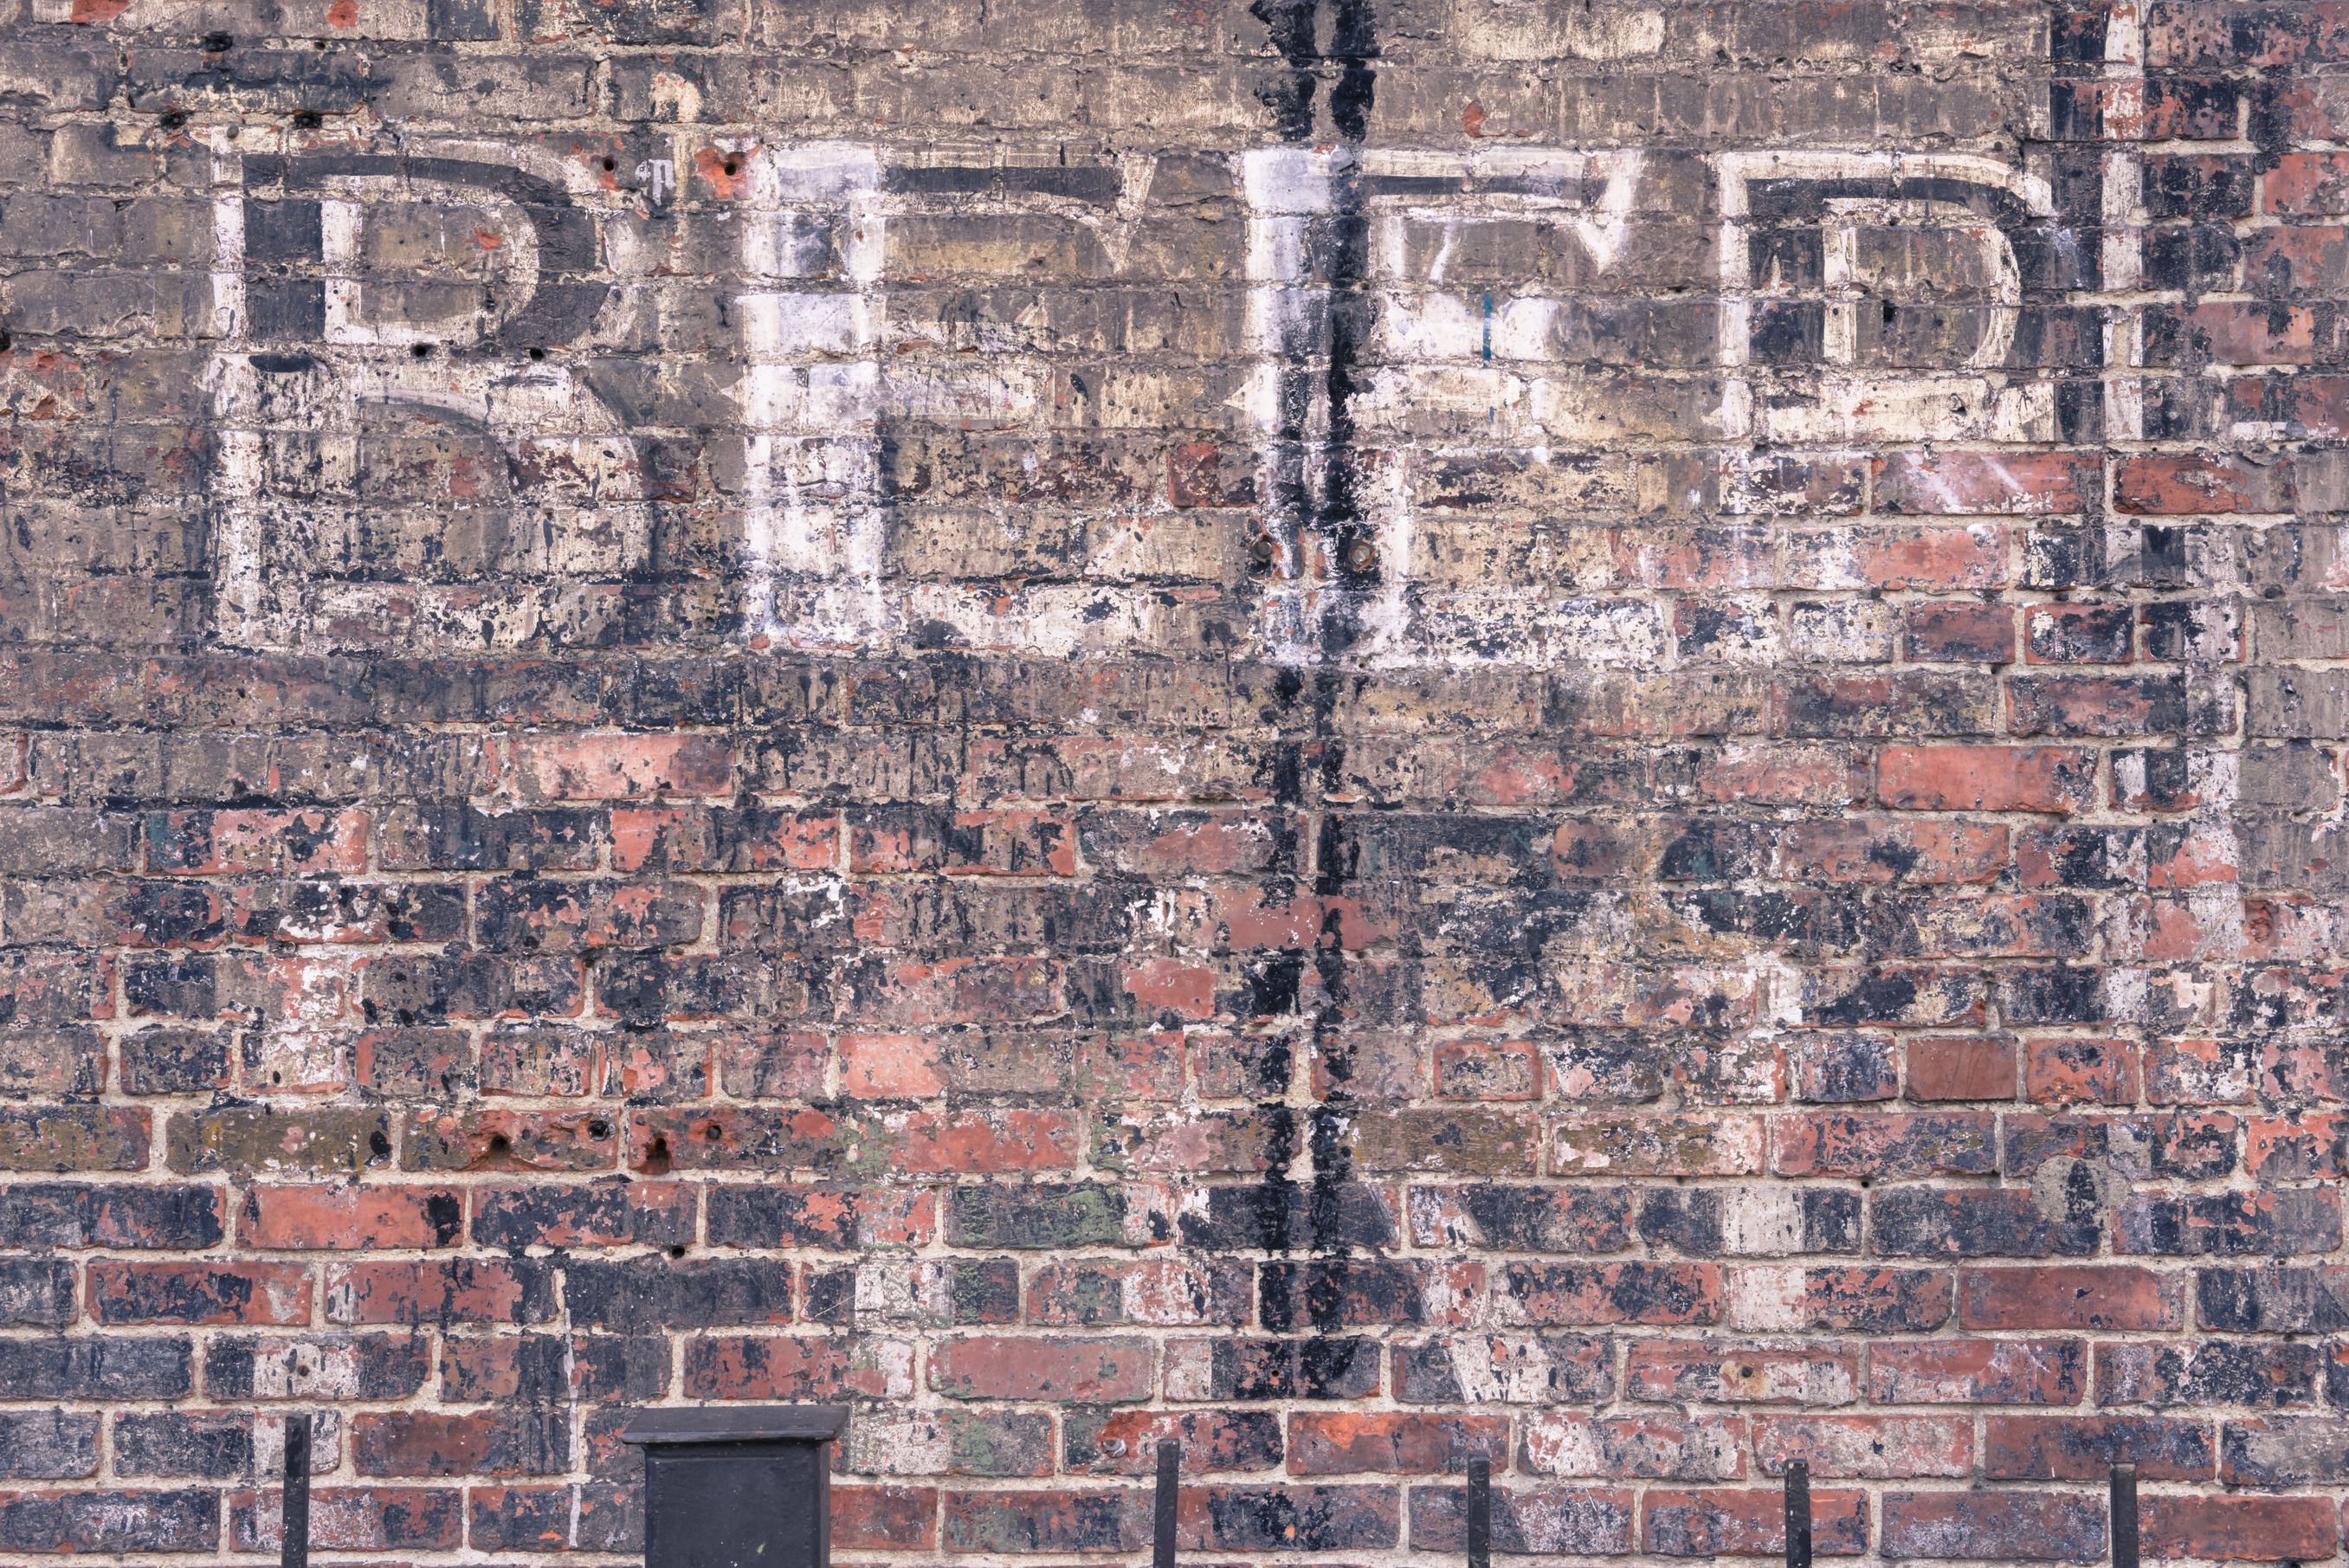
column 1326, row 1295
column 1708, row 1371
column 1961, row 1067
column 2302, row 182
column 1959, row 1143
column 697, row 838
column 1042, row 1370
column 473, row 1139
column 1884, row 852
column 2310, row 407
column 1749, row 1522
column 1978, row 1372
column 1648, row 1448
column 1576, row 1294
column 1653, row 1145
column 351, row 1218
column 127, row 1293
column 2229, row 331
column 1125, row 1442
column 594, row 1214
column 797, row 1368
column 1839, row 1301
column 1877, row 1447
column 608, row 767
column 1880, row 556
column 2014, row 484
column 1346, row 1444
column 2172, row 482
column 1986, row 778
column 2035, row 1526
column 2081, row 1072
column 209, row 843
column 353, row 1518
column 885, row 1518
column 1162, row 986
column 486, row 1442
column 2305, row 1146
column 935, row 1142
column 1175, row 1292
column 2085, row 1448
column 956, row 991
column 1957, row 633
column 739, row 1136
column 2254, row 1529
column 1785, row 776
column 458, row 1290
column 2079, row 634
column 2084, row 1296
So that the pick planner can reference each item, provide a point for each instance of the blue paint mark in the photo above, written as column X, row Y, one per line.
column 1488, row 326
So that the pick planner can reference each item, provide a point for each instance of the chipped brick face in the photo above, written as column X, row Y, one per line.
column 1364, row 733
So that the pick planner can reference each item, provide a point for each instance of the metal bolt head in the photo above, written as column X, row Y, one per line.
column 1260, row 548
column 1361, row 556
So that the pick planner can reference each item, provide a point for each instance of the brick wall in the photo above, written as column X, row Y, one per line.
column 1364, row 731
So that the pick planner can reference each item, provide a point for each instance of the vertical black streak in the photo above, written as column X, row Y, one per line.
column 1480, row 1514
column 295, row 1528
column 1798, row 1514
column 1162, row 1523
column 2124, row 1505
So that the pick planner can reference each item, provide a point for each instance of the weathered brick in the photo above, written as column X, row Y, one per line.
column 1748, row 1523
column 127, row 1293
column 1592, row 1521
column 1066, row 1371
column 2077, row 1296
column 2040, row 1526
column 2083, row 1447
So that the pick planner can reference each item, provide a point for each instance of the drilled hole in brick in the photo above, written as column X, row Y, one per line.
column 712, row 1132
column 538, row 354
column 677, row 1251
column 308, row 119
column 499, row 1147
column 422, row 351
column 7, row 343
column 175, row 119
column 599, row 1129
column 217, row 43
column 729, row 166
column 608, row 166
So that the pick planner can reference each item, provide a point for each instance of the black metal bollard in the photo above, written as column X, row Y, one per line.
column 1162, row 1505
column 1480, row 1514
column 293, row 1524
column 2124, row 1508
column 1798, row 1514
column 743, row 1488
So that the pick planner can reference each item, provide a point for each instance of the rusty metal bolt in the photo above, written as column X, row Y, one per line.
column 1361, row 556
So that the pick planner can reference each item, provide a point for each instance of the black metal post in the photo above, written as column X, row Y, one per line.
column 294, row 1528
column 2124, row 1516
column 1798, row 1514
column 1480, row 1514
column 1161, row 1517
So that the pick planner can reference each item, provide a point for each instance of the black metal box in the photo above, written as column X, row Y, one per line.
column 747, row 1487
